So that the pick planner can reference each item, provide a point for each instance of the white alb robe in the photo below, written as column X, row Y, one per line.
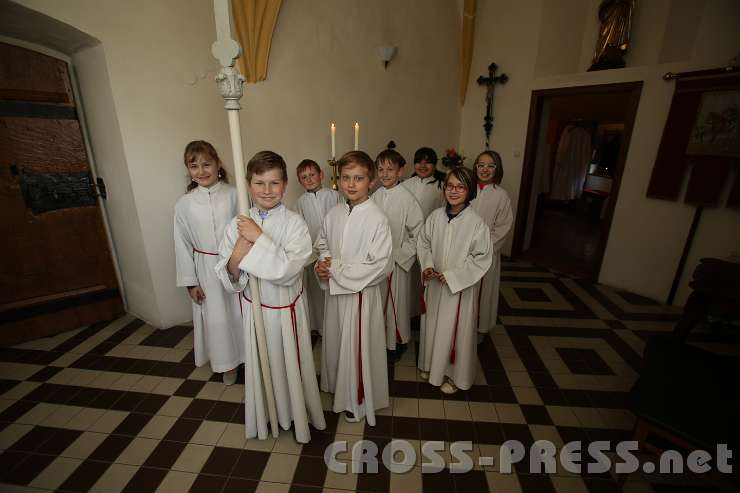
column 406, row 220
column 353, row 358
column 430, row 196
column 313, row 206
column 494, row 206
column 277, row 259
column 200, row 218
column 461, row 250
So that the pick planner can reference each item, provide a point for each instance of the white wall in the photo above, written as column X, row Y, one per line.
column 90, row 68
column 647, row 235
column 323, row 68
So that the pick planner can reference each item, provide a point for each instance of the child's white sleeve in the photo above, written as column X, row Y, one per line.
column 351, row 277
column 477, row 261
column 424, row 244
column 184, row 263
column 405, row 255
column 281, row 264
column 502, row 223
column 225, row 249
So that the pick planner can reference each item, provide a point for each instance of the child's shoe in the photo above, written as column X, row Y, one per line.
column 448, row 388
column 229, row 377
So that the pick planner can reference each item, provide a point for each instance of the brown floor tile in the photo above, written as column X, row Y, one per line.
column 432, row 429
column 183, row 430
column 44, row 374
column 207, row 484
column 223, row 411
column 85, row 476
column 221, row 461
column 24, row 472
column 111, row 448
column 33, row 439
column 16, row 410
column 406, row 428
column 379, row 482
column 383, row 427
column 145, row 480
column 189, row 388
column 440, row 482
column 317, row 445
column 310, row 471
column 132, row 424
column 238, row 485
column 503, row 395
column 165, row 454
column 536, row 415
column 251, row 464
column 460, row 431
column 151, row 404
column 129, row 401
column 489, row 433
column 198, row 409
column 471, row 481
column 531, row 483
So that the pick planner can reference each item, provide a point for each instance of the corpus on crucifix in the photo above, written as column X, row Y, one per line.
column 489, row 82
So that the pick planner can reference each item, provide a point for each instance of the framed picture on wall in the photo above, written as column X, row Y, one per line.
column 716, row 129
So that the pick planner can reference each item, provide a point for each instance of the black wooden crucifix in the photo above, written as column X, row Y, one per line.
column 489, row 83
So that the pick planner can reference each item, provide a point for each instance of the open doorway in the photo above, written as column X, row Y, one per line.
column 577, row 141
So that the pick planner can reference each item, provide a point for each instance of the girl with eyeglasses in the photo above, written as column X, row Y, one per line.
column 494, row 206
column 454, row 250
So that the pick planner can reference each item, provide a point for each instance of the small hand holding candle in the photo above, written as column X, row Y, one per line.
column 322, row 268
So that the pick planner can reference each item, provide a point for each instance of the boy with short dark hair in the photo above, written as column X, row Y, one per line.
column 273, row 244
column 406, row 220
column 312, row 207
column 355, row 248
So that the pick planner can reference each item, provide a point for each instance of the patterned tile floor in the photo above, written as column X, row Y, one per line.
column 119, row 406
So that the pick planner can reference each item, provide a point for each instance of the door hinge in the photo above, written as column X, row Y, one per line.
column 99, row 186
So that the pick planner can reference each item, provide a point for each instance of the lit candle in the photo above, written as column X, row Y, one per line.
column 333, row 141
column 357, row 136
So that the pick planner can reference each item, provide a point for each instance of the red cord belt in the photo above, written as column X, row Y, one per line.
column 195, row 250
column 293, row 321
column 389, row 296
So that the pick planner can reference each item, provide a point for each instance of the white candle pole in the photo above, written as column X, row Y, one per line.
column 333, row 141
column 357, row 136
column 230, row 82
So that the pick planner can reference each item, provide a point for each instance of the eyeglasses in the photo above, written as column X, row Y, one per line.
column 485, row 165
column 455, row 188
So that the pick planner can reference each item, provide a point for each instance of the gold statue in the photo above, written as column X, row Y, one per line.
column 614, row 34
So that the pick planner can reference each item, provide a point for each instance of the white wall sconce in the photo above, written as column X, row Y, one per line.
column 386, row 54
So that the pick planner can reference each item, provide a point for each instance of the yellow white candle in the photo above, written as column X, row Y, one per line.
column 333, row 141
column 357, row 136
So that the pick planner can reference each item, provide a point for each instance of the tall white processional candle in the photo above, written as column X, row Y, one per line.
column 230, row 83
column 357, row 136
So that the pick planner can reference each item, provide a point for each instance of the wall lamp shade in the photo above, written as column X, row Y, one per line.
column 386, row 54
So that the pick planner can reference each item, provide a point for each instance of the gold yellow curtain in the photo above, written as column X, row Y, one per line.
column 254, row 22
column 466, row 52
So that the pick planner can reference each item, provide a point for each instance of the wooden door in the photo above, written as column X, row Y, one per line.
column 56, row 270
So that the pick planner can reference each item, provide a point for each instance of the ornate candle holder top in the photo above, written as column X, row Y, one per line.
column 333, row 163
column 231, row 84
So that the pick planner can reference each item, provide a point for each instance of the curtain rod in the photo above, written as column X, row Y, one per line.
column 701, row 73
